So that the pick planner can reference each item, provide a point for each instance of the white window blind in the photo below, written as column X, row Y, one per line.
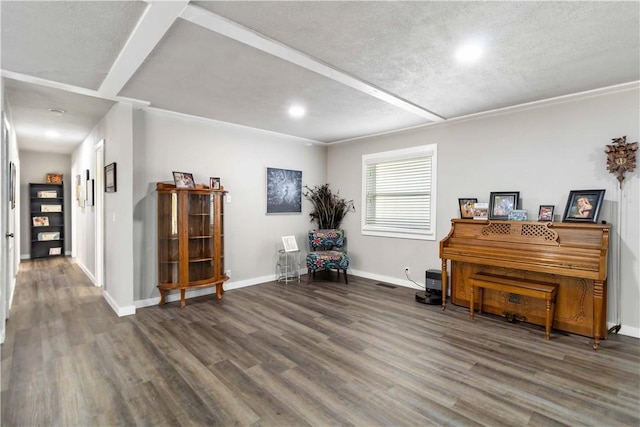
column 398, row 192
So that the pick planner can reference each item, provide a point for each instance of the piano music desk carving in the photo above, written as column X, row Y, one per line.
column 572, row 255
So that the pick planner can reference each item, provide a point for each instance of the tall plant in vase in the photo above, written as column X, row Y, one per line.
column 329, row 209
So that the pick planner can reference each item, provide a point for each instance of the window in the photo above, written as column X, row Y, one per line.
column 399, row 193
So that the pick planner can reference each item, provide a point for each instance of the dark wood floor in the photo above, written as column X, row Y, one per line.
column 294, row 355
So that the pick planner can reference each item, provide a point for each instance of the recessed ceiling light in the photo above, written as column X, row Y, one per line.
column 57, row 111
column 469, row 53
column 297, row 111
column 52, row 133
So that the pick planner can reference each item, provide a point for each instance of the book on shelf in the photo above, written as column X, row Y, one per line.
column 55, row 251
column 51, row 208
column 49, row 235
column 40, row 221
column 47, row 194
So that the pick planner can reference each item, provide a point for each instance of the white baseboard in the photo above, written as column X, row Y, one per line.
column 387, row 279
column 2, row 336
column 626, row 330
column 228, row 286
column 120, row 311
column 86, row 271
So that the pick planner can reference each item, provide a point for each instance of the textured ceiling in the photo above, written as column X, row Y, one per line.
column 360, row 68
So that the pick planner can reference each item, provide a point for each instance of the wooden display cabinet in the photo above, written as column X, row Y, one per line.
column 190, row 240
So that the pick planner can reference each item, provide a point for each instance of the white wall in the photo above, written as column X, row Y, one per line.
column 116, row 128
column 34, row 167
column 167, row 142
column 543, row 152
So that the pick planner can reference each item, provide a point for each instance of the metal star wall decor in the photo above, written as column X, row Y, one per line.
column 621, row 157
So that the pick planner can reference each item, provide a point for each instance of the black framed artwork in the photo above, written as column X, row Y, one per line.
column 110, row 178
column 583, row 206
column 501, row 203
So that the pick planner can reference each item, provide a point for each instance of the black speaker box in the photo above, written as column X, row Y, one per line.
column 433, row 292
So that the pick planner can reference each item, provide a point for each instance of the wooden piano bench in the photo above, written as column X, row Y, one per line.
column 514, row 285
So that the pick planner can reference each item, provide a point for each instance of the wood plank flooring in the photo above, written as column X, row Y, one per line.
column 297, row 355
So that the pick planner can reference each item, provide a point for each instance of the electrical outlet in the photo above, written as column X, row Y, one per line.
column 407, row 271
column 228, row 273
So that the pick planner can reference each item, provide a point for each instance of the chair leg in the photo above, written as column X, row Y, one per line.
column 309, row 275
column 346, row 281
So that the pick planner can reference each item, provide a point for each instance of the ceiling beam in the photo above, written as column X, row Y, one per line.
column 206, row 19
column 152, row 26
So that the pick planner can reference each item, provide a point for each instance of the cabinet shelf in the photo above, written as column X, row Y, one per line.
column 190, row 244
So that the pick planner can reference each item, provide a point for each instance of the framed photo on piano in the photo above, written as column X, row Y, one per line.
column 501, row 203
column 583, row 206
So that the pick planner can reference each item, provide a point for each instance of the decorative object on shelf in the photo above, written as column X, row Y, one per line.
column 49, row 235
column 54, row 178
column 466, row 207
column 500, row 203
column 621, row 157
column 55, row 251
column 12, row 185
column 40, row 221
column 289, row 243
column 51, row 208
column 583, row 206
column 183, row 180
column 518, row 215
column 545, row 213
column 284, row 191
column 110, row 178
column 214, row 183
column 481, row 210
column 190, row 240
column 47, row 194
column 328, row 209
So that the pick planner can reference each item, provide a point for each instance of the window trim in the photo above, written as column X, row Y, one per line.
column 395, row 155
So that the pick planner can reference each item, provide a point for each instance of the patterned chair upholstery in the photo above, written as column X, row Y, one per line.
column 327, row 253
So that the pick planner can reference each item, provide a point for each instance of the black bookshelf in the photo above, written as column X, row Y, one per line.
column 47, row 220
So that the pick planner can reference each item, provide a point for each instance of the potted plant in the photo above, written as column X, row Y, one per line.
column 328, row 209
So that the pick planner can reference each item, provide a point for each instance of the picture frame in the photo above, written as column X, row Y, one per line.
column 90, row 196
column 40, row 221
column 214, row 183
column 518, row 215
column 50, row 208
column 110, row 178
column 183, row 180
column 289, row 243
column 284, row 191
column 583, row 206
column 12, row 185
column 501, row 202
column 78, row 188
column 54, row 178
column 466, row 207
column 545, row 213
column 55, row 251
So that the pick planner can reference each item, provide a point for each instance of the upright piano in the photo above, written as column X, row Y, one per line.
column 572, row 255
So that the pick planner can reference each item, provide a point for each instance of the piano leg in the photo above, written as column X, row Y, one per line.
column 598, row 287
column 443, row 285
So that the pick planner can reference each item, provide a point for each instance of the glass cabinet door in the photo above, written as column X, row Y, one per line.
column 168, row 243
column 201, row 236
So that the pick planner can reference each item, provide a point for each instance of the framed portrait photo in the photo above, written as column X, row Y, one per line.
column 583, row 206
column 466, row 207
column 501, row 203
column 214, row 183
column 545, row 212
column 183, row 180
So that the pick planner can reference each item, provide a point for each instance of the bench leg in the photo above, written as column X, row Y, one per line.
column 480, row 294
column 471, row 301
